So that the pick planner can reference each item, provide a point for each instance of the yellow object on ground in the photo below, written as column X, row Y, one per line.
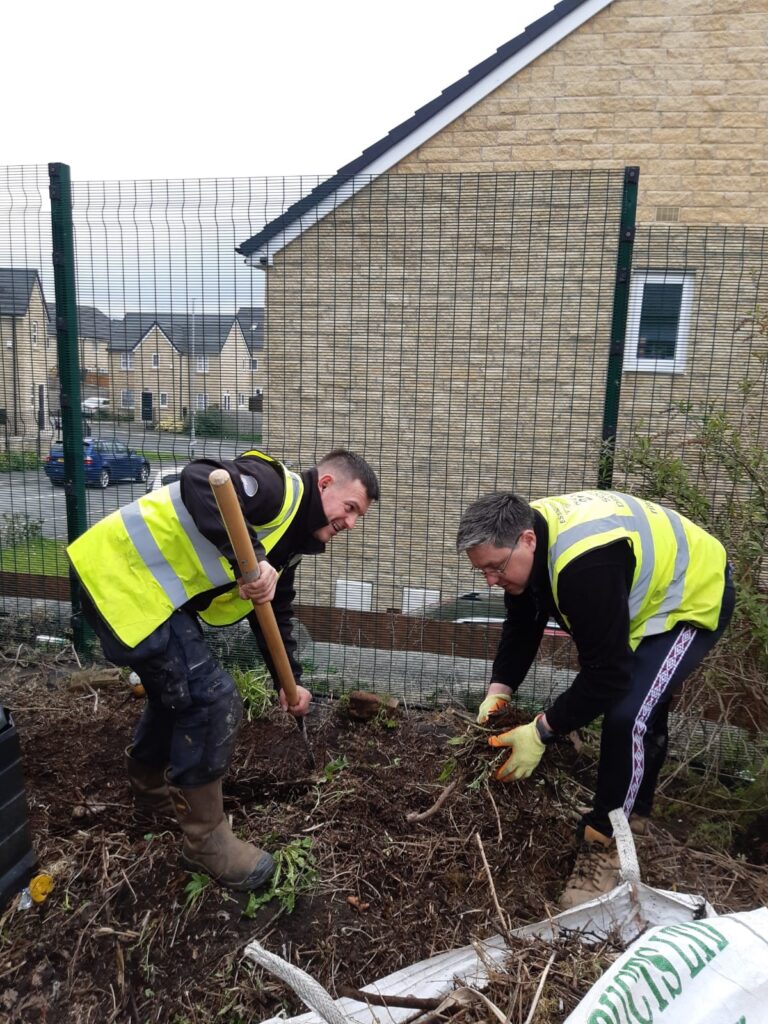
column 41, row 887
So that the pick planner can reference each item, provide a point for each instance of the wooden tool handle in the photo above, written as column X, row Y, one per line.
column 240, row 539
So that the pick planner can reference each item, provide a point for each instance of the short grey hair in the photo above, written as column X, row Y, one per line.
column 497, row 519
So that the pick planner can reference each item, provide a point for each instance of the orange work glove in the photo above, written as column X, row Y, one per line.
column 527, row 751
column 492, row 705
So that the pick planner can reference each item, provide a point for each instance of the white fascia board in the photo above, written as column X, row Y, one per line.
column 429, row 128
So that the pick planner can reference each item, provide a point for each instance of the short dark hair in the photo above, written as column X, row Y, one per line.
column 498, row 519
column 354, row 467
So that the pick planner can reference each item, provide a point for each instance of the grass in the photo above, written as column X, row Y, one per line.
column 256, row 689
column 40, row 555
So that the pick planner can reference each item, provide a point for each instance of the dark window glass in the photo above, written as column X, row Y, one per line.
column 659, row 321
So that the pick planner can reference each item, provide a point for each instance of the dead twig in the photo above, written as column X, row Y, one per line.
column 495, row 810
column 539, row 989
column 505, row 925
column 402, row 1002
column 423, row 815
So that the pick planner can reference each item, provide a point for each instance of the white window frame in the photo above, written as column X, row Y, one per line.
column 254, row 363
column 163, row 399
column 201, row 401
column 240, row 400
column 35, row 330
column 155, row 360
column 127, row 399
column 638, row 364
column 126, row 362
column 226, row 401
column 201, row 364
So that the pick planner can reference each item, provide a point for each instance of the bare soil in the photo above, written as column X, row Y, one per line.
column 120, row 940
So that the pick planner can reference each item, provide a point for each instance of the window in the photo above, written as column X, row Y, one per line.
column 201, row 401
column 126, row 361
column 163, row 399
column 240, row 400
column 155, row 360
column 658, row 321
column 126, row 398
column 226, row 401
column 202, row 364
column 254, row 363
column 35, row 329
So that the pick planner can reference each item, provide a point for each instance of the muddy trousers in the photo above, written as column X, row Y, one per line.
column 193, row 710
column 635, row 735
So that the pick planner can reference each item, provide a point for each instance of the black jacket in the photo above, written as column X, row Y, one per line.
column 260, row 490
column 594, row 597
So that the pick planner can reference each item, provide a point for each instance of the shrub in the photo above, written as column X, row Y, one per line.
column 16, row 462
column 215, row 422
column 711, row 464
column 17, row 528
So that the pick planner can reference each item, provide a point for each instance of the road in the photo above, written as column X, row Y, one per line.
column 30, row 493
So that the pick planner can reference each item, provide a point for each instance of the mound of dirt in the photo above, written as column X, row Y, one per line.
column 123, row 936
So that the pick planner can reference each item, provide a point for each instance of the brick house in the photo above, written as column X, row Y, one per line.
column 444, row 296
column 94, row 334
column 179, row 361
column 27, row 356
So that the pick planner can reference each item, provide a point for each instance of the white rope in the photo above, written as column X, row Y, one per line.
column 306, row 988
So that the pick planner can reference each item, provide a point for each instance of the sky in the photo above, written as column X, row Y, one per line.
column 170, row 89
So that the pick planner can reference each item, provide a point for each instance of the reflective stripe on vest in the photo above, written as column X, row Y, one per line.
column 229, row 607
column 154, row 546
column 672, row 583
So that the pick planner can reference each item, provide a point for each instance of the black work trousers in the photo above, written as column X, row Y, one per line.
column 635, row 735
column 192, row 711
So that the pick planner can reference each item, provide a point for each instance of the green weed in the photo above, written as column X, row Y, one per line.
column 334, row 767
column 295, row 873
column 256, row 690
column 195, row 888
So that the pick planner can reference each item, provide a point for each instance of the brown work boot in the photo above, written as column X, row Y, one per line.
column 639, row 826
column 209, row 844
column 151, row 798
column 595, row 872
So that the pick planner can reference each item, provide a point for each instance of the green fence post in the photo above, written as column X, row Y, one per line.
column 69, row 375
column 618, row 327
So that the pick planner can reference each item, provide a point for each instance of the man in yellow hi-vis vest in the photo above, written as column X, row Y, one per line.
column 644, row 592
column 152, row 570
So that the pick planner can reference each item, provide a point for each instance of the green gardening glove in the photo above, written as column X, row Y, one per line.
column 492, row 705
column 527, row 750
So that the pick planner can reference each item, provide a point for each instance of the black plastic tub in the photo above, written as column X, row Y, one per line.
column 17, row 858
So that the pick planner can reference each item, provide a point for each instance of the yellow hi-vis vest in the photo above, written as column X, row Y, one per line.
column 679, row 568
column 142, row 562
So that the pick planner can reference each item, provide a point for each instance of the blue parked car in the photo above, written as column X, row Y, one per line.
column 104, row 461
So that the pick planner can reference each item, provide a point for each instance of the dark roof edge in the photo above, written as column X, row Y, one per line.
column 406, row 128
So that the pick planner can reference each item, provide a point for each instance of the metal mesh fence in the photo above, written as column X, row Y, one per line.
column 455, row 330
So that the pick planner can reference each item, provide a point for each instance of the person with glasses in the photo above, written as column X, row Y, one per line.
column 644, row 592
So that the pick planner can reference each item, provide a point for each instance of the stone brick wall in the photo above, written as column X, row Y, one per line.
column 677, row 88
column 455, row 330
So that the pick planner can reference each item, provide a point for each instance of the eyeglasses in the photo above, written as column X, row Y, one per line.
column 498, row 570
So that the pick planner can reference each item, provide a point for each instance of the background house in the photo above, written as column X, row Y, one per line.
column 94, row 334
column 26, row 353
column 180, row 361
column 452, row 288
column 170, row 361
